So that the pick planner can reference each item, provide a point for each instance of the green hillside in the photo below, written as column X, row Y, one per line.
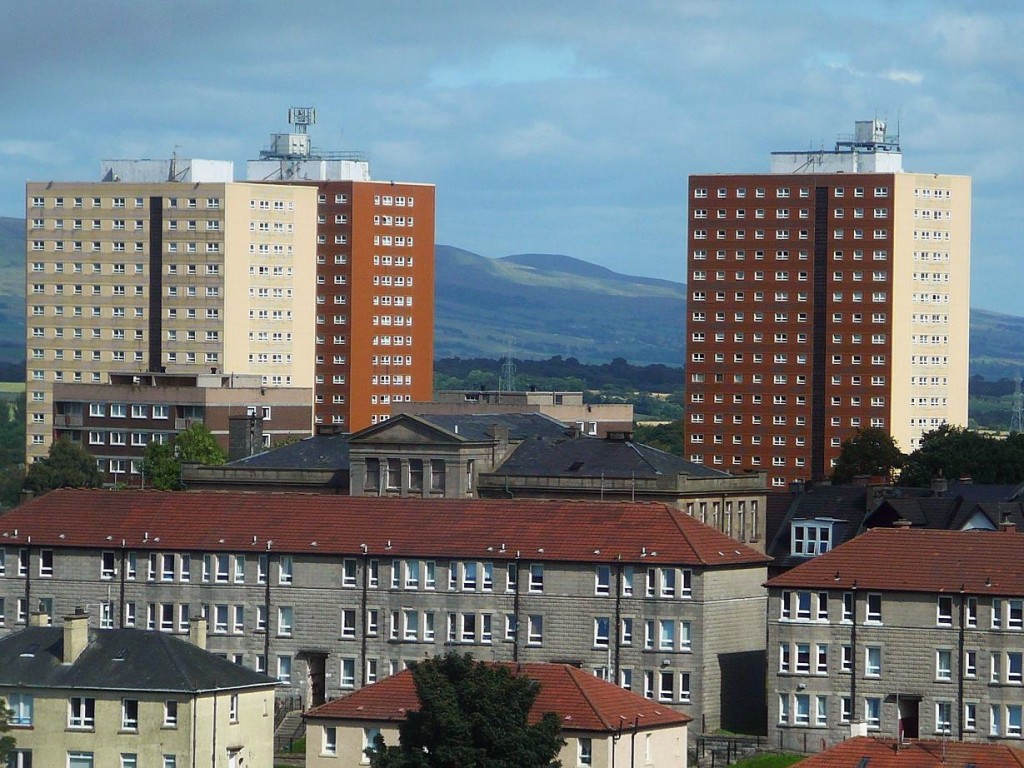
column 12, row 290
column 553, row 305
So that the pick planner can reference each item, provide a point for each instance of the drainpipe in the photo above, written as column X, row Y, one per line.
column 213, row 745
column 363, row 607
column 853, row 659
column 28, row 577
column 960, row 670
column 617, row 629
column 266, row 612
column 515, row 610
column 124, row 560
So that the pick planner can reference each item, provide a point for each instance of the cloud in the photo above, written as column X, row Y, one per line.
column 903, row 76
column 512, row 64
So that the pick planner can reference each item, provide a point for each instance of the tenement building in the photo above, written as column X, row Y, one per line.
column 165, row 266
column 899, row 633
column 84, row 697
column 374, row 278
column 827, row 296
column 331, row 593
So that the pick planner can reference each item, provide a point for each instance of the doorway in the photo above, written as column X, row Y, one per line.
column 908, row 724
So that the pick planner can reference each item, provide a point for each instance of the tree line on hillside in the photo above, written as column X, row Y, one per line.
column 483, row 373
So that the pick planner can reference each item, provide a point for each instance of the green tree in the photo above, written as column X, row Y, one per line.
column 6, row 742
column 67, row 465
column 665, row 437
column 198, row 444
column 870, row 452
column 471, row 714
column 955, row 452
column 161, row 464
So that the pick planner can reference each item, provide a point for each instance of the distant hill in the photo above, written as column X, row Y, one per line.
column 553, row 305
column 12, row 290
column 546, row 304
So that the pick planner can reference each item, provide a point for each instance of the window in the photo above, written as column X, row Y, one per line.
column 21, row 706
column 943, row 717
column 585, row 754
column 285, row 569
column 284, row 669
column 129, row 714
column 330, row 743
column 46, row 563
column 873, row 713
column 370, row 736
column 872, row 661
column 944, row 616
column 284, row 621
column 81, row 712
column 602, row 580
column 970, row 716
column 943, row 665
column 535, row 630
column 810, row 538
column 536, row 577
column 874, row 614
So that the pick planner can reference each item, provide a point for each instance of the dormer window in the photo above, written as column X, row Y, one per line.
column 810, row 537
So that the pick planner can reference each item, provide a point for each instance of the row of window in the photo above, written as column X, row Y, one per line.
column 805, row 213
column 120, row 246
column 802, row 709
column 82, row 712
column 211, row 203
column 785, row 192
column 783, row 254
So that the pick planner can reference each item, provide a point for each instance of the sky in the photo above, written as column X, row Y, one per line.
column 548, row 127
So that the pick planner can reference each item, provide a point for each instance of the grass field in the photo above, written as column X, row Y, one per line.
column 12, row 387
column 769, row 761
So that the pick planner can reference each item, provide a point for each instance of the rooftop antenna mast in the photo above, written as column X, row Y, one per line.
column 507, row 380
column 1017, row 414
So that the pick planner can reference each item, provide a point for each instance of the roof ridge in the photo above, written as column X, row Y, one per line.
column 697, row 553
column 172, row 657
column 642, row 456
column 571, row 672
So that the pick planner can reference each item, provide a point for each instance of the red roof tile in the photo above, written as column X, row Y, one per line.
column 916, row 560
column 582, row 701
column 574, row 531
column 883, row 753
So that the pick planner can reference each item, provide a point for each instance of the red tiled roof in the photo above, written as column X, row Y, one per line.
column 883, row 753
column 582, row 701
column 916, row 560
column 572, row 531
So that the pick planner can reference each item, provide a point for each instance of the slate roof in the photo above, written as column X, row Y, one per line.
column 119, row 660
column 594, row 457
column 917, row 560
column 229, row 521
column 844, row 503
column 582, row 701
column 869, row 752
column 327, row 452
column 477, row 426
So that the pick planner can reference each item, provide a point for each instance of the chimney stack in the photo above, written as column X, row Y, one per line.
column 76, row 635
column 39, row 618
column 197, row 631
